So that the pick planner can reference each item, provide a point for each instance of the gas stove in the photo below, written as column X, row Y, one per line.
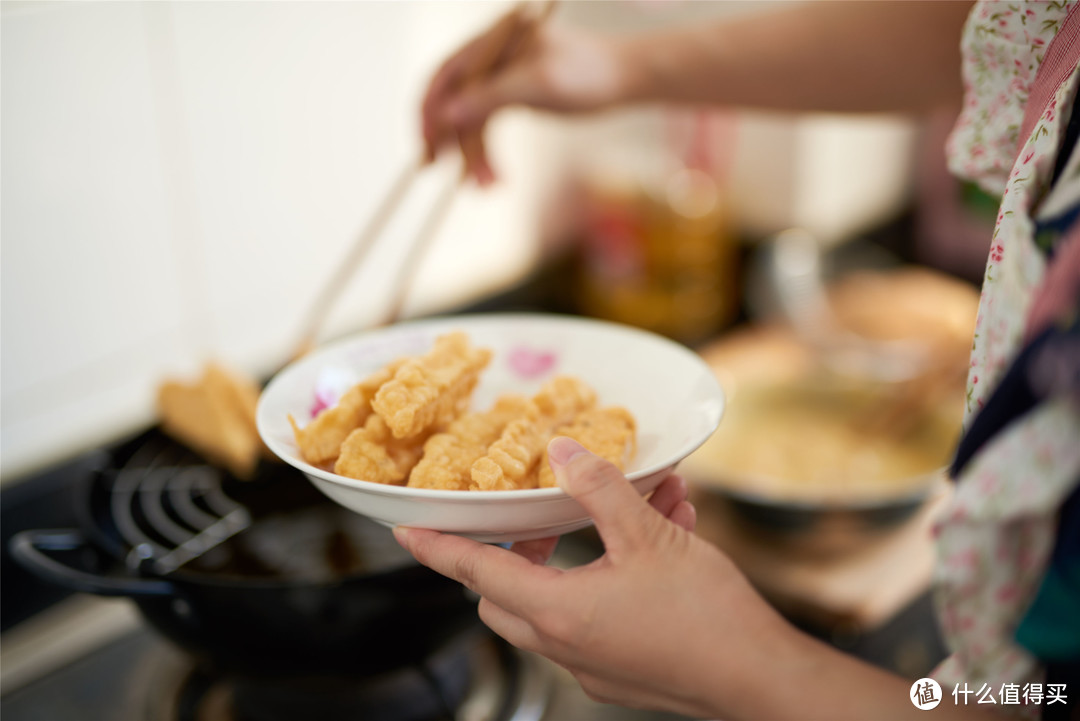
column 139, row 676
column 89, row 658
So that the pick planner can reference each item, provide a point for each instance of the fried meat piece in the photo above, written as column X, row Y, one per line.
column 608, row 432
column 214, row 416
column 237, row 392
column 371, row 453
column 320, row 440
column 433, row 389
column 510, row 460
column 448, row 456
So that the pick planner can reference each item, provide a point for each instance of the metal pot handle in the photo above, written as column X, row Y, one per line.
column 30, row 549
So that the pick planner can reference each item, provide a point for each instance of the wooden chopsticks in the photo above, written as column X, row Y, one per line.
column 358, row 251
column 525, row 20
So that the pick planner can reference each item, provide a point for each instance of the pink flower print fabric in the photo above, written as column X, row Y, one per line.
column 1003, row 45
column 995, row 538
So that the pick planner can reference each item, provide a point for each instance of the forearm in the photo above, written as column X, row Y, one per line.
column 821, row 56
column 796, row 677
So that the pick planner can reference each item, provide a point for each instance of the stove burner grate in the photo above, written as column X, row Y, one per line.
column 478, row 677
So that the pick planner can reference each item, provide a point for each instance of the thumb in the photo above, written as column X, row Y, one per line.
column 621, row 515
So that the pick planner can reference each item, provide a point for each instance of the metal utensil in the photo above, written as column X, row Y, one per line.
column 797, row 276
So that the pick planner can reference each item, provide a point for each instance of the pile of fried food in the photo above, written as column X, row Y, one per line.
column 409, row 423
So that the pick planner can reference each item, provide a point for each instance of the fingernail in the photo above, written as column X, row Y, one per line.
column 562, row 450
column 401, row 534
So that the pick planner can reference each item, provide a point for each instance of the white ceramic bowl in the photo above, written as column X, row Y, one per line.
column 671, row 392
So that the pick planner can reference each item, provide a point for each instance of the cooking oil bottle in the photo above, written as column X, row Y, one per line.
column 658, row 247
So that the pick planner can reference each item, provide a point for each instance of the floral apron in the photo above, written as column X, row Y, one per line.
column 998, row 535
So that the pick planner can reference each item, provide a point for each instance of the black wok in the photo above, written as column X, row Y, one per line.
column 368, row 609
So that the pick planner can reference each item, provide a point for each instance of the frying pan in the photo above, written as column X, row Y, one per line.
column 378, row 611
column 814, row 516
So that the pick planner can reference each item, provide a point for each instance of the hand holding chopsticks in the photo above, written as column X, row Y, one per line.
column 510, row 36
column 481, row 69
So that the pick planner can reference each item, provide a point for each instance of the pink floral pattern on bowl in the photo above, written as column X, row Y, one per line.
column 330, row 385
column 321, row 404
column 531, row 363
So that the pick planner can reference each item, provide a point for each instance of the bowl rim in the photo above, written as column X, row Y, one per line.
column 394, row 491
